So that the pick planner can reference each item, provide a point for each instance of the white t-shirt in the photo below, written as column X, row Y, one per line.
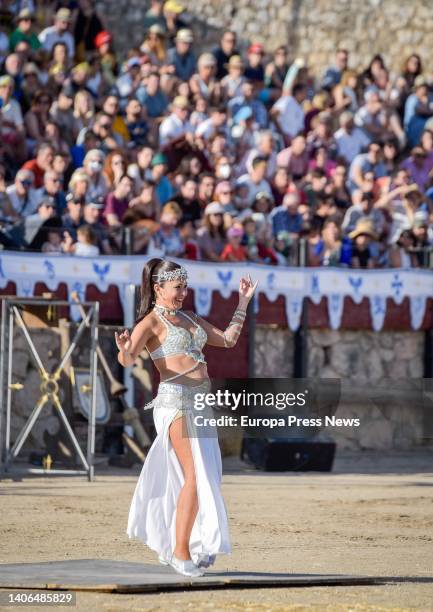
column 291, row 117
column 86, row 250
column 172, row 127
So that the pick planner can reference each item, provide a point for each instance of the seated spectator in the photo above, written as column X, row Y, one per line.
column 255, row 179
column 146, row 201
column 58, row 32
column 180, row 58
column 52, row 188
column 188, row 202
column 117, row 201
column 350, row 139
column 249, row 100
column 362, row 237
column 12, row 123
column 402, row 253
column 234, row 79
column 331, row 249
column 254, row 70
column 417, row 110
column 141, row 171
column 175, row 129
column 92, row 217
column 211, row 235
column 22, row 194
column 98, row 184
column 234, row 251
column 294, row 158
column 204, row 83
column 286, row 216
column 372, row 161
column 288, row 113
column 73, row 217
column 168, row 240
column 136, row 124
column 151, row 96
column 41, row 163
column 418, row 166
column 163, row 188
column 363, row 208
column 224, row 53
column 85, row 245
column 24, row 31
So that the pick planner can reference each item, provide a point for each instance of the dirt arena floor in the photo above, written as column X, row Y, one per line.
column 373, row 515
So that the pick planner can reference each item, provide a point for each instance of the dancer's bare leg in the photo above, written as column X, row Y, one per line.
column 187, row 503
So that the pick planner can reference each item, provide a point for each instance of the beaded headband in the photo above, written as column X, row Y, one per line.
column 178, row 273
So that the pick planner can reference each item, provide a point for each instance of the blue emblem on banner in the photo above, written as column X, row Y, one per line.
column 51, row 272
column 397, row 284
column 101, row 271
column 224, row 277
column 356, row 283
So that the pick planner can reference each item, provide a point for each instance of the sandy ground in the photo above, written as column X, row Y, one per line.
column 373, row 515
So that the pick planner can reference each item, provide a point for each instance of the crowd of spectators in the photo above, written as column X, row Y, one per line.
column 237, row 153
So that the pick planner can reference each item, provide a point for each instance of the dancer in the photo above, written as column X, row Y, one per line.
column 177, row 508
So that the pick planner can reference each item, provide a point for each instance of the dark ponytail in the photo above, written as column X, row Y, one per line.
column 152, row 267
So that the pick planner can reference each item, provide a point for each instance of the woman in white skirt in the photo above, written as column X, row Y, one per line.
column 177, row 508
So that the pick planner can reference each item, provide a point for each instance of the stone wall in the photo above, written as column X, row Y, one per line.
column 311, row 28
column 380, row 381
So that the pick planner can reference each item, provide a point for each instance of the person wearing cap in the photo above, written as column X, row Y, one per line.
column 362, row 237
column 232, row 82
column 173, row 18
column 211, row 234
column 417, row 110
column 59, row 32
column 204, row 82
column 24, row 31
column 224, row 52
column 180, row 58
column 103, row 42
column 234, row 250
column 164, row 190
column 176, row 128
column 72, row 217
column 91, row 215
column 254, row 70
column 22, row 195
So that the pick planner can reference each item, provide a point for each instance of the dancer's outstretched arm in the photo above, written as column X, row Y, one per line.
column 130, row 346
column 227, row 338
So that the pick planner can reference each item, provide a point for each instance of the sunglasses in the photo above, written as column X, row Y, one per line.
column 105, row 126
column 26, row 183
column 55, row 180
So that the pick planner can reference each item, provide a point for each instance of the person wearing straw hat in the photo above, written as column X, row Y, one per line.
column 175, row 129
column 362, row 237
column 24, row 31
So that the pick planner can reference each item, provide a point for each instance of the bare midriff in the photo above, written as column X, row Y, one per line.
column 175, row 364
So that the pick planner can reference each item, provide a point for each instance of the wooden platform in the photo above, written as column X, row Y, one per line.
column 130, row 577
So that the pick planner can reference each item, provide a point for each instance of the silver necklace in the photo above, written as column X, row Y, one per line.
column 166, row 310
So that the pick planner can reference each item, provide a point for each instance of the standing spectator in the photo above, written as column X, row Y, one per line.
column 87, row 26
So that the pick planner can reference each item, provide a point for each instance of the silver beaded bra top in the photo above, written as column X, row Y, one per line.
column 180, row 340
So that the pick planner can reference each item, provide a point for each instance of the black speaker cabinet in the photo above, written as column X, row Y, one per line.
column 279, row 455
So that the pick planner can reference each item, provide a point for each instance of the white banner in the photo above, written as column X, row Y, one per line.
column 26, row 269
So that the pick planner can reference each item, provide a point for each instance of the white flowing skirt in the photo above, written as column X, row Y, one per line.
column 152, row 515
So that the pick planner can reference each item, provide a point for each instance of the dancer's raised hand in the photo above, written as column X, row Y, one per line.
column 123, row 341
column 247, row 288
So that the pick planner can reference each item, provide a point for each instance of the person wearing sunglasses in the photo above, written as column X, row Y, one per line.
column 22, row 194
column 53, row 188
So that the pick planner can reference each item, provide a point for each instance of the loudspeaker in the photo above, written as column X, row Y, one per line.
column 279, row 455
